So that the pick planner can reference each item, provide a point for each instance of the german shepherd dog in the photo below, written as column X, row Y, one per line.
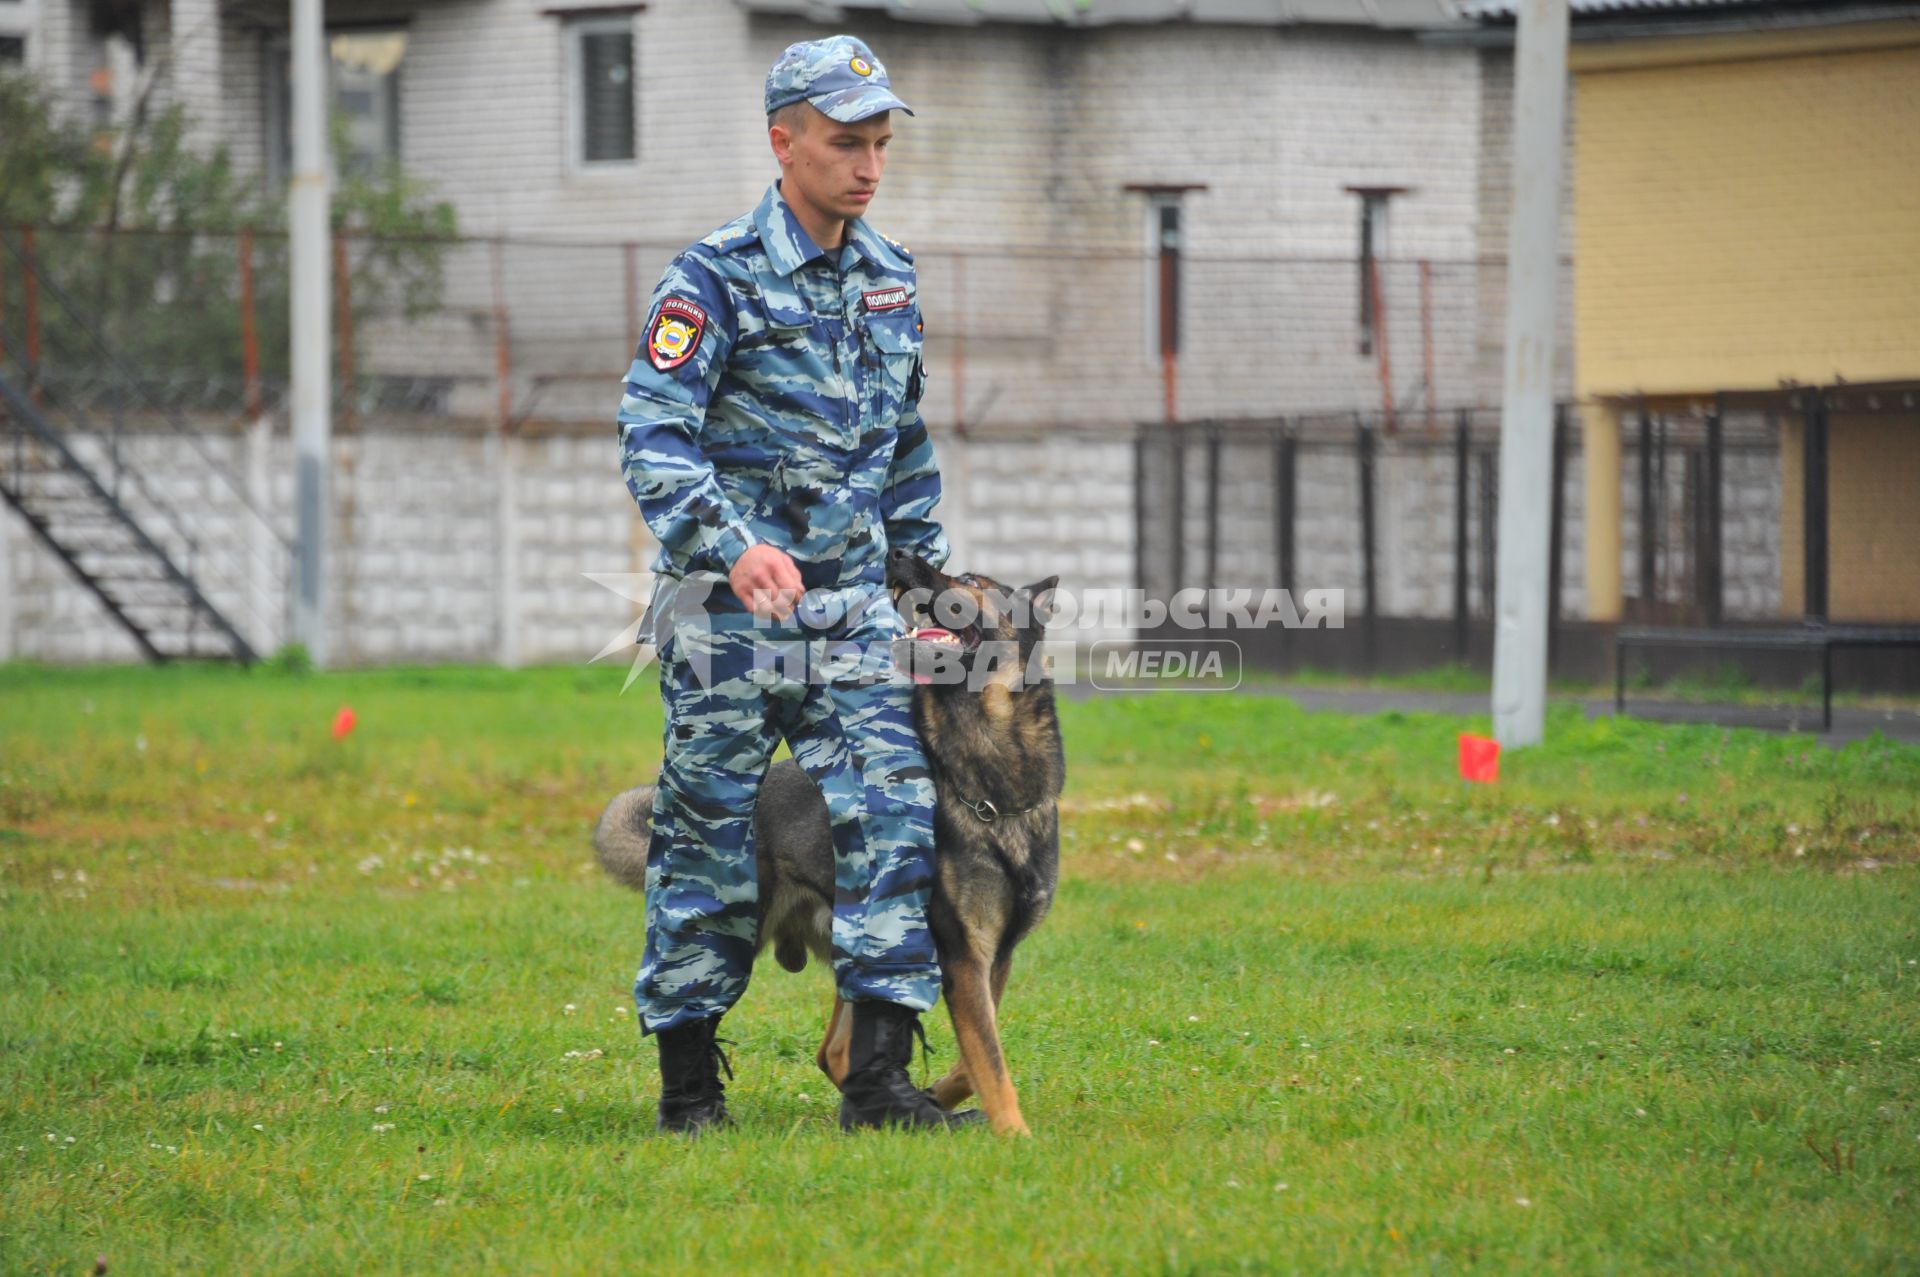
column 992, row 740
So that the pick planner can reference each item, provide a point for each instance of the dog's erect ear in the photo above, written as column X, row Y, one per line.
column 1039, row 597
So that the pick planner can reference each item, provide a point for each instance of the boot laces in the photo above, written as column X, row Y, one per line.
column 702, row 1066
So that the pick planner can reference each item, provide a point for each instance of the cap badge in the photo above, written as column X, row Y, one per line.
column 861, row 66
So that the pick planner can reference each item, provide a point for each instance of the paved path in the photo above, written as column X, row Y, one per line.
column 1848, row 724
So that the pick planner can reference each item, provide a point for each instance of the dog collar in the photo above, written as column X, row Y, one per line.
column 988, row 813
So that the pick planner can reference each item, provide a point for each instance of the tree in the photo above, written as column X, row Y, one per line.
column 138, row 245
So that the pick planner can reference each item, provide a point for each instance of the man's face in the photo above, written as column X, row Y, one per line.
column 833, row 167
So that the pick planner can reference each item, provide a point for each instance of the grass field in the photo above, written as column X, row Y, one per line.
column 276, row 1002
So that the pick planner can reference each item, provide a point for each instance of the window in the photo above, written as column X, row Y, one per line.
column 364, row 76
column 600, row 53
column 1164, row 242
column 1373, row 248
column 17, row 20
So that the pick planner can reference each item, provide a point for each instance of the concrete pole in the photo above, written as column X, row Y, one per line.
column 311, row 321
column 1526, row 419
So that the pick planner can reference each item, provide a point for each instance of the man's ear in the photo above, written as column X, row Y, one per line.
column 1039, row 597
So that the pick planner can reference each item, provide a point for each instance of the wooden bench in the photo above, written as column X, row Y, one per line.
column 1811, row 637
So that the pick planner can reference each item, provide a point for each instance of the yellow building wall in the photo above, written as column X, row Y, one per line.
column 1873, row 518
column 1747, row 220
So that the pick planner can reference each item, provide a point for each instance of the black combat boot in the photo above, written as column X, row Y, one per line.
column 876, row 1091
column 692, row 1096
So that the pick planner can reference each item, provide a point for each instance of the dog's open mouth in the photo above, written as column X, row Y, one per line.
column 941, row 647
column 965, row 641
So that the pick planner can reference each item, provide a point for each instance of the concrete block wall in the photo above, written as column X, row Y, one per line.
column 1753, row 506
column 48, row 615
column 199, row 520
column 415, row 546
column 1413, row 522
column 573, row 515
column 1750, row 533
column 1414, row 515
column 1328, row 548
column 464, row 546
column 470, row 548
column 1019, row 509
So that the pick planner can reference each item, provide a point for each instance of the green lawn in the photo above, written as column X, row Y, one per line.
column 274, row 1002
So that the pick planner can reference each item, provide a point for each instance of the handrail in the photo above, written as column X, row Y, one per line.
column 24, row 410
column 140, row 385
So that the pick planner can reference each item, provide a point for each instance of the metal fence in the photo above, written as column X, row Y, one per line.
column 508, row 331
column 1402, row 514
column 1399, row 516
column 1705, row 516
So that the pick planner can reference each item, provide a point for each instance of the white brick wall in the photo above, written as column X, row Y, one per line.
column 196, row 72
column 484, row 119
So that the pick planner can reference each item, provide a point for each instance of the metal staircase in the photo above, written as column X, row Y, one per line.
column 198, row 577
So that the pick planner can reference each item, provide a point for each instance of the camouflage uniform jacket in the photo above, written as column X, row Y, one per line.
column 775, row 399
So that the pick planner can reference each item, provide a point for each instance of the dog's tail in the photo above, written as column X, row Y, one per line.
column 620, row 839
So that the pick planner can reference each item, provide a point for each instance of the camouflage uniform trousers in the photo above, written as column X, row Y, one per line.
column 732, row 688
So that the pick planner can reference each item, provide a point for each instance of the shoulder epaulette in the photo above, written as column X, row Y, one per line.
column 896, row 245
column 735, row 234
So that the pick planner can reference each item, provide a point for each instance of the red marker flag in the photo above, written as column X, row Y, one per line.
column 1479, row 758
column 343, row 722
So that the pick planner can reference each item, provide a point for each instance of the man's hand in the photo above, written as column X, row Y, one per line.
column 766, row 580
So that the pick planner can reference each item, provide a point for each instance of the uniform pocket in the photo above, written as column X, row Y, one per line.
column 895, row 337
column 893, row 343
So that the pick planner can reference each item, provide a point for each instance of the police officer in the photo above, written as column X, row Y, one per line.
column 771, row 434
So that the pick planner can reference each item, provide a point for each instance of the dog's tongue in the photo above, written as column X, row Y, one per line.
column 927, row 633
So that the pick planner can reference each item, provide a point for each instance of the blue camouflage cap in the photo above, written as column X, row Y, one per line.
column 839, row 75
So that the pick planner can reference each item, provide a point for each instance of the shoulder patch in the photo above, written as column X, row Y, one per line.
column 675, row 333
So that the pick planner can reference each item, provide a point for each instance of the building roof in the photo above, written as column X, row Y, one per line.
column 1658, row 10
column 1507, row 8
column 1391, row 14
